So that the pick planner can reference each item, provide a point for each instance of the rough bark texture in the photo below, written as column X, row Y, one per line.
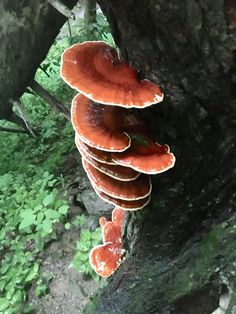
column 181, row 249
column 27, row 31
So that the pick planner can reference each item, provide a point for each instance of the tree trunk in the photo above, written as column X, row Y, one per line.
column 181, row 250
column 27, row 31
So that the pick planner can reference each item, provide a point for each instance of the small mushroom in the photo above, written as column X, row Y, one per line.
column 102, row 221
column 106, row 258
column 112, row 230
column 99, row 126
column 94, row 69
column 118, row 215
column 126, row 190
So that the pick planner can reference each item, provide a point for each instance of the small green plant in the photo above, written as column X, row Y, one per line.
column 88, row 239
column 29, row 208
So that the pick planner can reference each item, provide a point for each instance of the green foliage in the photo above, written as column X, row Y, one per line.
column 29, row 209
column 31, row 202
column 99, row 31
column 88, row 239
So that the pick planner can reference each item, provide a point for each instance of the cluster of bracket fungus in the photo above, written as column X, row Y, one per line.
column 107, row 257
column 118, row 154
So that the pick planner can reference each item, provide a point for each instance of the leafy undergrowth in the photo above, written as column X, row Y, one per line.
column 31, row 183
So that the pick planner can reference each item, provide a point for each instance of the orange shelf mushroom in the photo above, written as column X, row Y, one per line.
column 99, row 155
column 111, row 230
column 118, row 216
column 146, row 156
column 123, row 204
column 125, row 190
column 95, row 70
column 117, row 152
column 106, row 258
column 115, row 171
column 99, row 126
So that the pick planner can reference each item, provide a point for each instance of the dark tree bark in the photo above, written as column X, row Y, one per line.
column 181, row 249
column 27, row 31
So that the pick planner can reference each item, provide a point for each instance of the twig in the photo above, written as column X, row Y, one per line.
column 50, row 99
column 69, row 28
column 2, row 129
column 60, row 7
column 23, row 115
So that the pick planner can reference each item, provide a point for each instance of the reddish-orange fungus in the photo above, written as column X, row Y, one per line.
column 125, row 190
column 146, row 156
column 106, row 258
column 94, row 69
column 98, row 126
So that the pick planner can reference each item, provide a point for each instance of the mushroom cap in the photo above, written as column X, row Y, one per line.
column 125, row 190
column 146, row 156
column 102, row 221
column 111, row 232
column 98, row 126
column 99, row 155
column 123, row 204
column 118, row 215
column 94, row 69
column 114, row 171
column 106, row 258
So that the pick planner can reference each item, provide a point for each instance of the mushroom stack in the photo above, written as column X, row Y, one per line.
column 117, row 152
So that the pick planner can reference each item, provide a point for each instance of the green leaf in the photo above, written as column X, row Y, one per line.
column 47, row 225
column 33, row 273
column 27, row 221
column 41, row 290
column 51, row 213
column 4, row 304
column 26, row 213
column 48, row 199
column 67, row 226
column 63, row 209
column 27, row 308
column 40, row 217
column 17, row 298
column 2, row 284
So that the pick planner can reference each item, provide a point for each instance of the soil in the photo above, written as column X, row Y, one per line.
column 69, row 290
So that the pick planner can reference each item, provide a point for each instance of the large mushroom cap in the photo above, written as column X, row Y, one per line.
column 125, row 190
column 124, row 204
column 98, row 126
column 94, row 69
column 146, row 156
column 106, row 258
column 115, row 171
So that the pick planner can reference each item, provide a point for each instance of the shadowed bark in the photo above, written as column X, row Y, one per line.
column 27, row 31
column 181, row 249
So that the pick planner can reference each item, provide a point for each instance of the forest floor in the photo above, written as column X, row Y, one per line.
column 69, row 290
